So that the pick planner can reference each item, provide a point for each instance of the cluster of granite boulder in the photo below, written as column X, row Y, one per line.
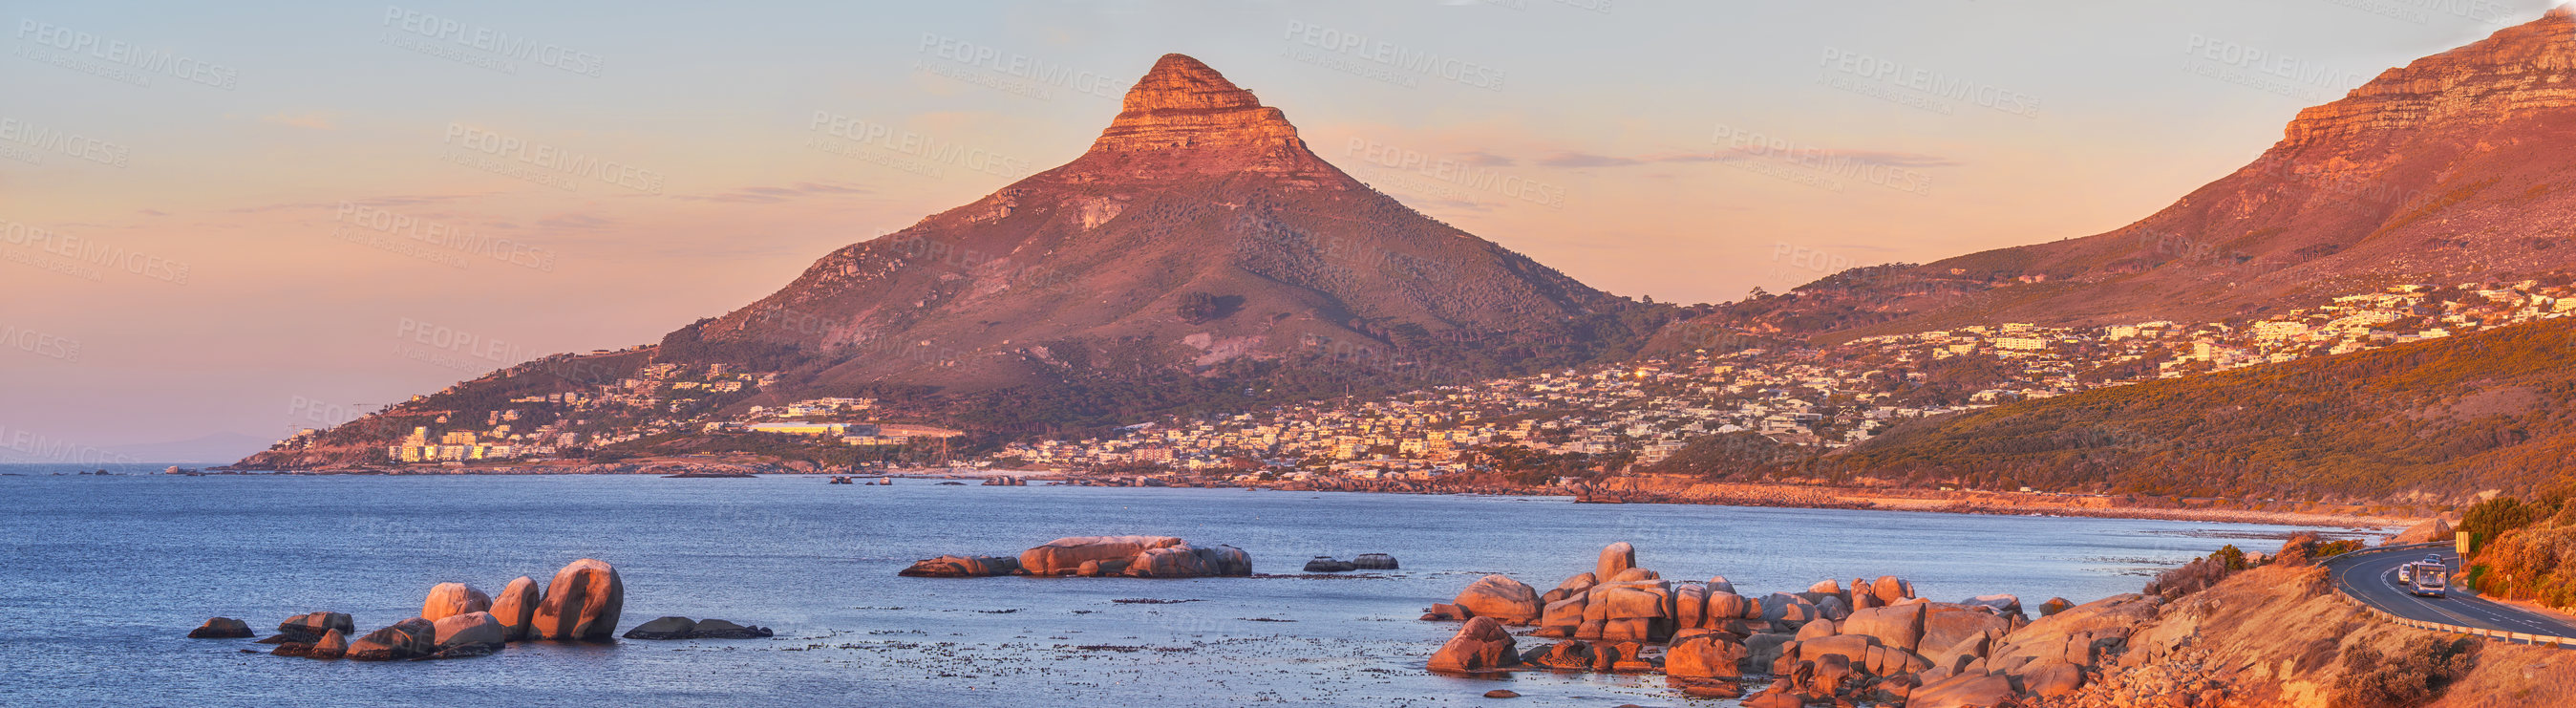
column 456, row 620
column 1096, row 557
column 1872, row 641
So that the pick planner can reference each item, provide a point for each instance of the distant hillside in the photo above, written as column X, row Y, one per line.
column 2459, row 166
column 2431, row 421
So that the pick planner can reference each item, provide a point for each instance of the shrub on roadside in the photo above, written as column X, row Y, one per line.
column 2414, row 675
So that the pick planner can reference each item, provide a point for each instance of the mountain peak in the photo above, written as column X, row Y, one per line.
column 1183, row 104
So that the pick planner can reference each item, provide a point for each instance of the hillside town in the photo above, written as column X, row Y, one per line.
column 1642, row 413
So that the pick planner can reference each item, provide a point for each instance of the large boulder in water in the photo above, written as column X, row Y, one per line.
column 1328, row 564
column 962, row 567
column 452, row 599
column 469, row 634
column 720, row 629
column 333, row 644
column 1187, row 561
column 1374, row 561
column 221, row 628
column 1615, row 557
column 1480, row 645
column 309, row 627
column 1063, row 556
column 516, row 608
column 664, row 628
column 408, row 639
column 581, row 603
column 1500, row 598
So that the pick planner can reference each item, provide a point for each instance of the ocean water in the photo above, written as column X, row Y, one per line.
column 103, row 577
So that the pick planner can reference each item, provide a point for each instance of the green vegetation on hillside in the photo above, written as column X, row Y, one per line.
column 2446, row 417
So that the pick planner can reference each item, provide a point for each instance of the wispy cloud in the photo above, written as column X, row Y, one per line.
column 1890, row 158
column 769, row 195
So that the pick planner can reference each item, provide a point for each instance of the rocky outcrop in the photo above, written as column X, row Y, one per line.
column 309, row 627
column 1327, row 564
column 516, row 608
column 581, row 603
column 1098, row 556
column 333, row 644
column 1501, row 598
column 1374, row 561
column 409, row 639
column 221, row 628
column 1480, row 645
column 451, row 599
column 962, row 567
column 669, row 628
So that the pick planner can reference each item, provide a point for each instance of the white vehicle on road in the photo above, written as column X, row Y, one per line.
column 2425, row 579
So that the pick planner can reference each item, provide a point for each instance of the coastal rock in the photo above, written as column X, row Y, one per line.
column 1891, row 589
column 1851, row 647
column 1615, row 557
column 221, row 628
column 467, row 629
column 1572, row 587
column 1374, row 561
column 1946, row 625
column 1725, row 604
column 1784, row 607
column 2051, row 678
column 407, row 639
column 1690, row 605
column 2054, row 605
column 581, row 603
column 1705, row 656
column 2077, row 635
column 1561, row 656
column 1501, row 598
column 1963, row 691
column 451, row 599
column 1634, row 575
column 663, row 628
column 2002, row 604
column 1480, row 645
column 1326, row 564
column 308, row 627
column 1818, row 629
column 1065, row 555
column 1562, row 617
column 1763, row 650
column 516, row 608
column 1719, row 583
column 333, row 644
column 1833, row 607
column 1501, row 693
column 1899, row 626
column 721, row 629
column 962, row 567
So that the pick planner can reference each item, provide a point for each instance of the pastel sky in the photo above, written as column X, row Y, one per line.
column 239, row 219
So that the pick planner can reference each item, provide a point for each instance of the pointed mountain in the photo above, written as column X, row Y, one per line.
column 1197, row 257
column 2452, row 168
column 1197, row 234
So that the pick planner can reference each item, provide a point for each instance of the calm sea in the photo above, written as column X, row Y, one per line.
column 104, row 576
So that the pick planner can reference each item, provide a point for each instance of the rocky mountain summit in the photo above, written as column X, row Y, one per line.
column 2451, row 168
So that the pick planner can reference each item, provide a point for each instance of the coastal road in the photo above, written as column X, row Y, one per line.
column 2372, row 579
